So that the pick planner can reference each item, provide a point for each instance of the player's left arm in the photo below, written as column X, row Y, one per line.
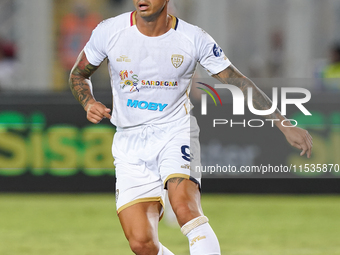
column 297, row 137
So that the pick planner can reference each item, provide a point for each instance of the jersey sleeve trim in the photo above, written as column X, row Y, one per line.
column 220, row 68
column 91, row 59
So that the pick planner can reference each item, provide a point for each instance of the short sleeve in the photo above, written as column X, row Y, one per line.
column 210, row 55
column 95, row 49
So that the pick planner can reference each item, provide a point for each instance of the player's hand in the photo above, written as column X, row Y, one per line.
column 96, row 111
column 301, row 139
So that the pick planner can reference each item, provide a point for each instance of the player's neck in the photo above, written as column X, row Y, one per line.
column 156, row 26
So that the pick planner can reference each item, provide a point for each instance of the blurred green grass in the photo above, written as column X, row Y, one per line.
column 87, row 224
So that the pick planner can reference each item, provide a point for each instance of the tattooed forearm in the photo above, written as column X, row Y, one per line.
column 81, row 89
column 260, row 100
column 80, row 82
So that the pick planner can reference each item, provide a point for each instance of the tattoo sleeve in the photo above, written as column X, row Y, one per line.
column 177, row 180
column 80, row 82
column 260, row 100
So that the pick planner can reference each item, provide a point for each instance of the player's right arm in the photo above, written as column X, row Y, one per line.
column 81, row 88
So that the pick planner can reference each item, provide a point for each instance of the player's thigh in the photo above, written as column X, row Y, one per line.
column 179, row 158
column 137, row 184
column 176, row 162
column 140, row 221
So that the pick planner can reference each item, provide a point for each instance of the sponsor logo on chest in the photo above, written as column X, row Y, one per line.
column 144, row 105
column 123, row 58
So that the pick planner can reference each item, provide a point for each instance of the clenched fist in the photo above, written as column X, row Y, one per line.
column 96, row 111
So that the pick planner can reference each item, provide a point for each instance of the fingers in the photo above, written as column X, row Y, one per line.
column 301, row 139
column 309, row 140
column 107, row 113
column 94, row 119
column 96, row 112
column 306, row 145
column 304, row 150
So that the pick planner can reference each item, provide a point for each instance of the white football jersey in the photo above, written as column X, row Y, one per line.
column 151, row 76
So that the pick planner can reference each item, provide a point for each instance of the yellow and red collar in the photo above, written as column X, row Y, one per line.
column 174, row 20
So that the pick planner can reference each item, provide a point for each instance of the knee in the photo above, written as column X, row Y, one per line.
column 143, row 246
column 184, row 212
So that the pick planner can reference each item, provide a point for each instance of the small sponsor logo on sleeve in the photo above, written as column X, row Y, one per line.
column 217, row 50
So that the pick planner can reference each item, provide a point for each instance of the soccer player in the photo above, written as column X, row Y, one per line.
column 152, row 57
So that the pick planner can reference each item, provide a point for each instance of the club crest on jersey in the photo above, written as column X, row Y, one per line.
column 177, row 60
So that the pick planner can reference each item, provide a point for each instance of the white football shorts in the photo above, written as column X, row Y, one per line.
column 147, row 156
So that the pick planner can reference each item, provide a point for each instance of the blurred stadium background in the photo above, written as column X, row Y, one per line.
column 56, row 174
